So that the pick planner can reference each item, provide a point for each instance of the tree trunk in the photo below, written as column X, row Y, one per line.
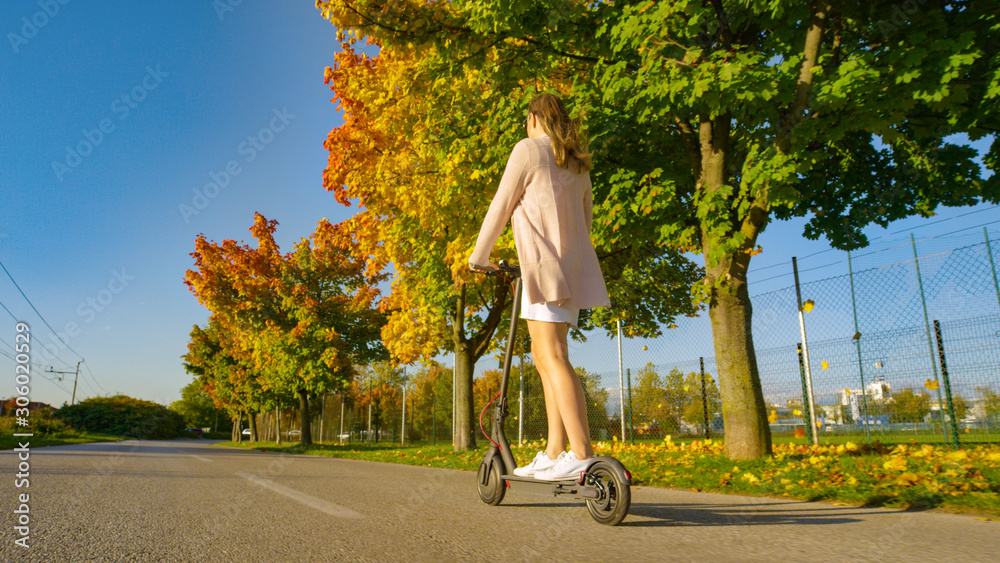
column 306, row 434
column 747, row 433
column 252, row 421
column 277, row 425
column 304, row 412
column 465, row 436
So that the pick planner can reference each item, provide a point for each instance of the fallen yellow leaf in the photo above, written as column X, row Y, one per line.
column 896, row 463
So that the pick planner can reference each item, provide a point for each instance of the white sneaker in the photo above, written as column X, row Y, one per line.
column 540, row 463
column 566, row 467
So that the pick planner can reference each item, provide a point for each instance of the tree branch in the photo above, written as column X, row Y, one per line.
column 810, row 51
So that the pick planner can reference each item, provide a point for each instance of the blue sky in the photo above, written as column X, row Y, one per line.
column 153, row 100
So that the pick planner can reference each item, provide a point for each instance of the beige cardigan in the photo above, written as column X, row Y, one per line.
column 551, row 210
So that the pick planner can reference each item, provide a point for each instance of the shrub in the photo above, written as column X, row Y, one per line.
column 39, row 426
column 123, row 416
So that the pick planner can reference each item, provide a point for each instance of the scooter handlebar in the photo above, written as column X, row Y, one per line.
column 502, row 268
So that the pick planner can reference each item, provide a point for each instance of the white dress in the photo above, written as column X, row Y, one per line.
column 547, row 312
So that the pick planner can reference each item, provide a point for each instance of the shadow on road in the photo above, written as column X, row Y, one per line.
column 755, row 514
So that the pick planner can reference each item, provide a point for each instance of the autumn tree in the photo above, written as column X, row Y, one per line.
column 429, row 400
column 718, row 117
column 298, row 320
column 421, row 152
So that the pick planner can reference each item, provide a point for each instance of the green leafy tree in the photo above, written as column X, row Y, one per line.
column 226, row 375
column 658, row 399
column 991, row 401
column 196, row 407
column 908, row 406
column 595, row 397
column 694, row 410
column 714, row 118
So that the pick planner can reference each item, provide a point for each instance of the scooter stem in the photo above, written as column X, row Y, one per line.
column 501, row 408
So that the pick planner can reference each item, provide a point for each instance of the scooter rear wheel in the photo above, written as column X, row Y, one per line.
column 493, row 491
column 613, row 508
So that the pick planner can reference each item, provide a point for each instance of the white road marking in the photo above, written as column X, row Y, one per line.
column 308, row 500
column 202, row 458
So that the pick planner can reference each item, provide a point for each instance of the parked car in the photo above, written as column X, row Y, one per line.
column 246, row 432
column 195, row 431
column 294, row 434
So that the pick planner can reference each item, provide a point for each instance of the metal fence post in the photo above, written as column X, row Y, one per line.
column 857, row 343
column 804, row 360
column 631, row 427
column 520, row 400
column 704, row 397
column 621, row 380
column 805, row 391
column 947, row 385
column 930, row 342
column 402, row 439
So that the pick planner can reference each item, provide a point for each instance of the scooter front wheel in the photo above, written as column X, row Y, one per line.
column 491, row 487
column 616, row 498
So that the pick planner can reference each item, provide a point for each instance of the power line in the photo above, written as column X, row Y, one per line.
column 9, row 313
column 884, row 236
column 38, row 370
column 873, row 252
column 87, row 365
column 36, row 311
column 67, row 364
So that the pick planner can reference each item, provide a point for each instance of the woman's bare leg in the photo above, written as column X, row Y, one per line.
column 557, row 433
column 564, row 393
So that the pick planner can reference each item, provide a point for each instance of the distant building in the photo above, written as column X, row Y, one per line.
column 878, row 390
column 7, row 408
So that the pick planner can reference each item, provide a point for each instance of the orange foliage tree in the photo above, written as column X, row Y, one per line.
column 298, row 321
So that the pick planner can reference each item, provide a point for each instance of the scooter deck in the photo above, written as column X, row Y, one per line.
column 564, row 487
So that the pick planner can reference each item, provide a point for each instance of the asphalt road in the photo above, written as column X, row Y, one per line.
column 189, row 501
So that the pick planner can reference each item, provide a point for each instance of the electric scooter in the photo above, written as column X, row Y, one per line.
column 605, row 485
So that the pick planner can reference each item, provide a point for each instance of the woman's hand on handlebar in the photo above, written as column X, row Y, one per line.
column 490, row 266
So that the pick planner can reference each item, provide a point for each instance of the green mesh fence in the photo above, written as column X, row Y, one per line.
column 874, row 359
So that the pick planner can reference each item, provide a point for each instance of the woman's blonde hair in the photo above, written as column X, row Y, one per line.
column 567, row 141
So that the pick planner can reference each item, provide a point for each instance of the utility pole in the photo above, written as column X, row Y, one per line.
column 75, row 379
